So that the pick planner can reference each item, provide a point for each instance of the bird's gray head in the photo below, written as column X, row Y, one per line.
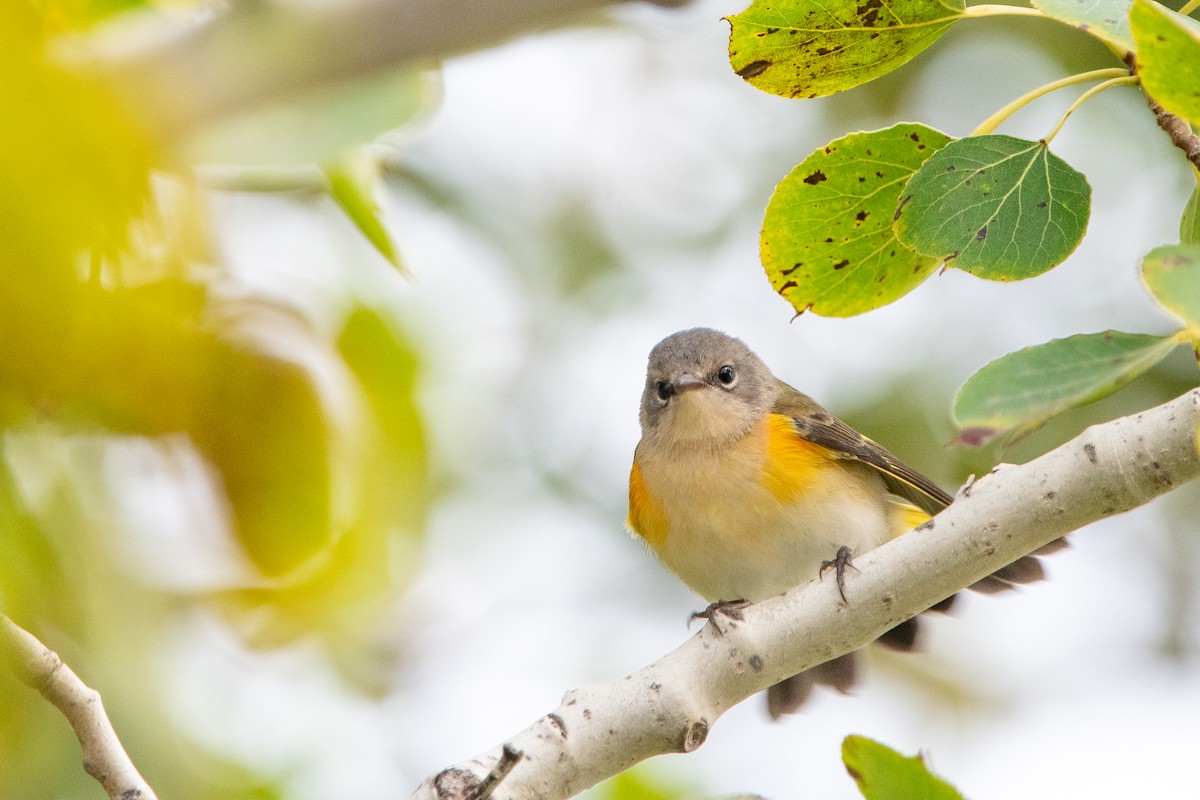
column 704, row 389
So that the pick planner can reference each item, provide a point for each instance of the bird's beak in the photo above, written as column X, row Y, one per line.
column 687, row 382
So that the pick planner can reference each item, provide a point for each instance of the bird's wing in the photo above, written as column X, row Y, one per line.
column 814, row 424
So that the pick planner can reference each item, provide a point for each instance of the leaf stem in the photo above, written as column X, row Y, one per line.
column 1127, row 79
column 1189, row 7
column 997, row 10
column 994, row 121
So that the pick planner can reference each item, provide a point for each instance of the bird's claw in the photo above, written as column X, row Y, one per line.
column 839, row 563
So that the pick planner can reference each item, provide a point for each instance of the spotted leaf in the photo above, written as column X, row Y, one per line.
column 827, row 240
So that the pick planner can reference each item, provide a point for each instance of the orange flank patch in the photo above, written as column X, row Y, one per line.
column 793, row 464
column 646, row 516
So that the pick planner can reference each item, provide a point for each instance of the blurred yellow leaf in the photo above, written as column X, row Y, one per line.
column 73, row 166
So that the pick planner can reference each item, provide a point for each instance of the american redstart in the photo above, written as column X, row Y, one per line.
column 745, row 488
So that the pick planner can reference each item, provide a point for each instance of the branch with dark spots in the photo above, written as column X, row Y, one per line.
column 557, row 722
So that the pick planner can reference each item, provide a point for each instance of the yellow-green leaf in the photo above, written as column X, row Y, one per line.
column 1020, row 391
column 74, row 167
column 373, row 557
column 1107, row 20
column 996, row 206
column 827, row 240
column 883, row 774
column 1189, row 222
column 1168, row 57
column 352, row 184
column 1173, row 274
column 797, row 48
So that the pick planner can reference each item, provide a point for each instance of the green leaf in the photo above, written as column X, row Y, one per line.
column 1168, row 57
column 1107, row 20
column 1189, row 223
column 1173, row 274
column 883, row 774
column 1020, row 391
column 996, row 206
column 796, row 48
column 352, row 181
column 827, row 240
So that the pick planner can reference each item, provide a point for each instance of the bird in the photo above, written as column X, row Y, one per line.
column 745, row 487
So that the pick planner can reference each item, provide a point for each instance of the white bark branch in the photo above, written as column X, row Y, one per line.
column 261, row 51
column 103, row 756
column 669, row 706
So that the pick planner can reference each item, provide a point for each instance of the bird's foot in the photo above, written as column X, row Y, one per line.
column 728, row 609
column 839, row 563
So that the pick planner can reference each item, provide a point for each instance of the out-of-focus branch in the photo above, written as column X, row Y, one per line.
column 261, row 51
column 103, row 756
column 671, row 705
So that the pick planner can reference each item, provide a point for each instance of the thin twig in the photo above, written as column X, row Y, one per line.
column 103, row 756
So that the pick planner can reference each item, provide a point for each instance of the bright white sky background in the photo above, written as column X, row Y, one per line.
column 530, row 585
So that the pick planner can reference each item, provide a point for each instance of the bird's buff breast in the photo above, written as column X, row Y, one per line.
column 757, row 517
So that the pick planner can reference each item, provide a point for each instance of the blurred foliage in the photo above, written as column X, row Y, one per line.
column 639, row 783
column 335, row 119
column 125, row 333
column 64, row 15
column 883, row 774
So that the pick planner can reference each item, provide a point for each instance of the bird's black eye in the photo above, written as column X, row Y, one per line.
column 725, row 375
column 664, row 391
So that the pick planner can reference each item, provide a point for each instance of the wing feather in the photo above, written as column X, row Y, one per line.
column 813, row 423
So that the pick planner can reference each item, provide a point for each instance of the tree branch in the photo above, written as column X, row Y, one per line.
column 261, row 51
column 669, row 706
column 103, row 756
column 1181, row 133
